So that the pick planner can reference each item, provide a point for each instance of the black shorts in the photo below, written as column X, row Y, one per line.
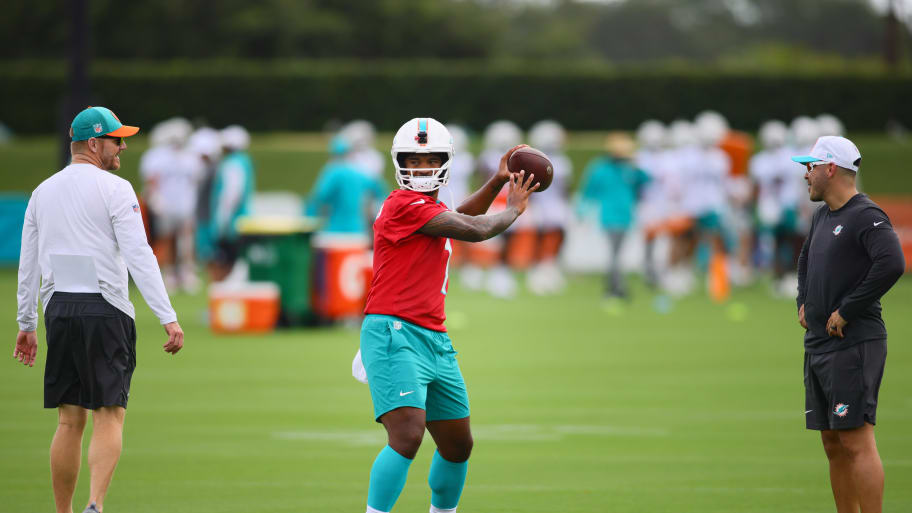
column 91, row 352
column 840, row 387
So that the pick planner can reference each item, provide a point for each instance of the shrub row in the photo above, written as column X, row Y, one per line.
column 306, row 97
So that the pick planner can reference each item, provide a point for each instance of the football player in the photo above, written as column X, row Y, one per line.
column 408, row 359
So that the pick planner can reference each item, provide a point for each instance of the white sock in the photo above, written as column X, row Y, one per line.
column 372, row 510
column 441, row 510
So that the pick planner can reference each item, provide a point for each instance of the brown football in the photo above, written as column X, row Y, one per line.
column 532, row 162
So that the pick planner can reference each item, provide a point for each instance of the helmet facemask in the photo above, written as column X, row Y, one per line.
column 408, row 179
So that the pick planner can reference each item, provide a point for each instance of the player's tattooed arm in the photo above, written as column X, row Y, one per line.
column 458, row 226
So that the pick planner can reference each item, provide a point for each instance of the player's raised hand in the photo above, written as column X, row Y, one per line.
column 503, row 172
column 520, row 190
column 175, row 337
column 26, row 348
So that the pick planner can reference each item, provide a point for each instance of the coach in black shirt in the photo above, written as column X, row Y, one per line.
column 851, row 258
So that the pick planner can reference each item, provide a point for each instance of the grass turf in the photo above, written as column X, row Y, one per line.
column 573, row 409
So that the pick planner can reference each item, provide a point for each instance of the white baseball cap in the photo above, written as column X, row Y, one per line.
column 835, row 149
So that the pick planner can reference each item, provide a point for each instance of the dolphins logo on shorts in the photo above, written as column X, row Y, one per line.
column 841, row 410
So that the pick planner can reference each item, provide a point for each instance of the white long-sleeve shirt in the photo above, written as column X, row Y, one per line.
column 86, row 211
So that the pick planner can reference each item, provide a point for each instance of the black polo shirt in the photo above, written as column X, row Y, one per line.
column 851, row 258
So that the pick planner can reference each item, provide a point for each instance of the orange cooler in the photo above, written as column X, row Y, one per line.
column 342, row 275
column 250, row 307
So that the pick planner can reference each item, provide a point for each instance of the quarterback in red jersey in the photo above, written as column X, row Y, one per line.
column 409, row 361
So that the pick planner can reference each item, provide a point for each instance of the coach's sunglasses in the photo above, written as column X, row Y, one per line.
column 118, row 140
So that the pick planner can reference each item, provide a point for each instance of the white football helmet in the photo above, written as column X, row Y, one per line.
column 422, row 135
column 460, row 137
column 681, row 133
column 502, row 135
column 773, row 134
column 235, row 137
column 711, row 127
column 830, row 125
column 548, row 136
column 360, row 133
column 804, row 131
column 651, row 134
column 205, row 142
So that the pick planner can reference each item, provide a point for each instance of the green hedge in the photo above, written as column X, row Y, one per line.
column 304, row 96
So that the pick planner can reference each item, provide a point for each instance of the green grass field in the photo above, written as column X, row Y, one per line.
column 574, row 410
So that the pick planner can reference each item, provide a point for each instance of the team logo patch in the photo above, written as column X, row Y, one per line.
column 841, row 410
column 97, row 128
column 837, row 230
column 135, row 208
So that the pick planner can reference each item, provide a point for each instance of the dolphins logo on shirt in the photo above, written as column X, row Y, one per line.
column 837, row 230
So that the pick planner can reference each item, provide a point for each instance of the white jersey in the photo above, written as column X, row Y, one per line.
column 550, row 208
column 654, row 208
column 707, row 176
column 176, row 175
column 457, row 188
column 85, row 214
column 774, row 173
column 368, row 161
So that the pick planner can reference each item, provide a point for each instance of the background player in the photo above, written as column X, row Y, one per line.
column 410, row 363
column 550, row 210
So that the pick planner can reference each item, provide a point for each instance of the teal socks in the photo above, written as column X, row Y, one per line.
column 387, row 479
column 446, row 480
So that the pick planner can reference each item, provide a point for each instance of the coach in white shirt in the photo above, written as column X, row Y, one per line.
column 83, row 231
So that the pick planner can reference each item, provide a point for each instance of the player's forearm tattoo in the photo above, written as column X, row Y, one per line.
column 469, row 228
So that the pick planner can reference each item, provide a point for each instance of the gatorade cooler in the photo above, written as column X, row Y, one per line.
column 342, row 275
column 249, row 307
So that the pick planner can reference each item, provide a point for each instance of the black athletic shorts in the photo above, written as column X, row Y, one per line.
column 91, row 352
column 841, row 386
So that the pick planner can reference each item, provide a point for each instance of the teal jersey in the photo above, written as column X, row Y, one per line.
column 341, row 194
column 234, row 172
column 613, row 185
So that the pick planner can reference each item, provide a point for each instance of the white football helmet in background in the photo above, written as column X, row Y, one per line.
column 422, row 135
column 804, row 131
column 502, row 135
column 711, row 127
column 235, row 137
column 460, row 137
column 681, row 133
column 360, row 133
column 830, row 125
column 651, row 134
column 548, row 136
column 773, row 134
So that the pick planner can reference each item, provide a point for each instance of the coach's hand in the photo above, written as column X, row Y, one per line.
column 835, row 324
column 26, row 348
column 175, row 337
column 503, row 172
column 801, row 320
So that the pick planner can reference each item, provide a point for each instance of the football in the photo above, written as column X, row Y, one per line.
column 534, row 162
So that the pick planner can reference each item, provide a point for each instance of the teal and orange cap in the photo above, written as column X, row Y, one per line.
column 98, row 121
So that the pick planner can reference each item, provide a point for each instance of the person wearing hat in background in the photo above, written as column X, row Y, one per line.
column 850, row 259
column 82, row 233
column 612, row 183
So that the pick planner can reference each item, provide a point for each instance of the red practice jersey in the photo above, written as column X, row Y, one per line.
column 411, row 270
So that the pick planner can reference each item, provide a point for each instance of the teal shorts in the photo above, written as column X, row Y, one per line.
column 408, row 365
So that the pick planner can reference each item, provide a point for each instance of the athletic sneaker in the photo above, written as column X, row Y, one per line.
column 92, row 508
